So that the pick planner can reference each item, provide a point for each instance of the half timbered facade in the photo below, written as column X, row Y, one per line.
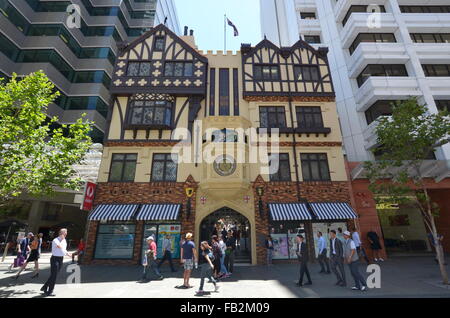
column 174, row 112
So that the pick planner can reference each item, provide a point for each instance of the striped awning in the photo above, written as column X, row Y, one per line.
column 113, row 212
column 153, row 212
column 289, row 212
column 333, row 211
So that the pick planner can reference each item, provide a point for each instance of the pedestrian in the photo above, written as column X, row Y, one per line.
column 207, row 268
column 59, row 250
column 149, row 261
column 189, row 259
column 33, row 257
column 302, row 255
column 375, row 245
column 79, row 252
column 230, row 252
column 217, row 252
column 269, row 249
column 322, row 258
column 223, row 270
column 337, row 259
column 352, row 259
column 224, row 232
column 167, row 253
column 23, row 247
column 340, row 235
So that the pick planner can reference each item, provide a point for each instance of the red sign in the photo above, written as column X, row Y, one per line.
column 89, row 193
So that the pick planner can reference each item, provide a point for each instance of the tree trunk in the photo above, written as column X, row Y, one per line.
column 437, row 242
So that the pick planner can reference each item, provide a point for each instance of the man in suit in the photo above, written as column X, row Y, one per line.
column 337, row 259
column 302, row 254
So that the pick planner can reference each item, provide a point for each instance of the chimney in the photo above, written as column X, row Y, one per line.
column 185, row 31
column 189, row 39
column 191, row 33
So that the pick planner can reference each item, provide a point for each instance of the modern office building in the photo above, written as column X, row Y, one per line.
column 37, row 35
column 185, row 149
column 379, row 51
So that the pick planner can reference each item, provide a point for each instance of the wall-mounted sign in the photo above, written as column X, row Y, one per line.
column 89, row 194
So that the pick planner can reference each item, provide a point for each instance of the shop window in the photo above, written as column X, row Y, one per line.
column 307, row 73
column 315, row 167
column 164, row 168
column 272, row 117
column 115, row 241
column 178, row 69
column 309, row 117
column 159, row 232
column 266, row 72
column 123, row 168
column 284, row 236
column 284, row 168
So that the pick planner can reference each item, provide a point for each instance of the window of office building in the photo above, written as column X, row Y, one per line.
column 164, row 167
column 309, row 116
column 372, row 38
column 123, row 167
column 430, row 37
column 312, row 39
column 381, row 70
column 272, row 117
column 308, row 15
column 378, row 109
column 436, row 70
column 443, row 104
column 362, row 9
column 425, row 9
column 315, row 167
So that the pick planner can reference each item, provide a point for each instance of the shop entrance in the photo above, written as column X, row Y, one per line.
column 226, row 218
column 403, row 229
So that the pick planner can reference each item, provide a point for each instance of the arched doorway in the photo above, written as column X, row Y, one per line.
column 229, row 219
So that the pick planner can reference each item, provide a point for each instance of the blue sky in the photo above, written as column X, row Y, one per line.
column 206, row 18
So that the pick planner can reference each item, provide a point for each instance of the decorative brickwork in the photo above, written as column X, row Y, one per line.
column 272, row 98
column 302, row 144
column 149, row 143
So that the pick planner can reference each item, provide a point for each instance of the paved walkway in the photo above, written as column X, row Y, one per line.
column 400, row 277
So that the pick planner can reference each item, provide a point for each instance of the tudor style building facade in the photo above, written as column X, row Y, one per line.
column 169, row 97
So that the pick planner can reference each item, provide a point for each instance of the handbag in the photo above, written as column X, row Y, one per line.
column 19, row 260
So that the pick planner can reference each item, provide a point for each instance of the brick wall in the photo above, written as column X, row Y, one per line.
column 442, row 198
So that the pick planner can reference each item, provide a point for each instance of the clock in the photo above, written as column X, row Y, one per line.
column 224, row 165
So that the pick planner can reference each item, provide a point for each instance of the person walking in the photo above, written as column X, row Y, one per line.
column 217, row 252
column 188, row 259
column 33, row 257
column 79, row 252
column 322, row 258
column 167, row 253
column 359, row 248
column 23, row 247
column 207, row 268
column 230, row 252
column 59, row 250
column 223, row 270
column 224, row 233
column 337, row 259
column 375, row 245
column 302, row 254
column 352, row 259
column 149, row 261
column 340, row 235
column 269, row 249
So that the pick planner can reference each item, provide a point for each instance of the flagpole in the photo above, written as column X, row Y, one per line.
column 225, row 33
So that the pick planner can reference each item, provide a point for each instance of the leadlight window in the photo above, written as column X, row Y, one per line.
column 224, row 135
column 178, row 69
column 164, row 167
column 123, row 167
column 266, row 72
column 138, row 69
column 151, row 112
column 309, row 117
column 307, row 73
column 315, row 167
column 159, row 43
column 284, row 168
column 272, row 117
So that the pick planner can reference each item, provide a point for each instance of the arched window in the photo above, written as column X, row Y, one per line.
column 154, row 110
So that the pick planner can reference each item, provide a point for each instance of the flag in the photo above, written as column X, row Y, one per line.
column 236, row 32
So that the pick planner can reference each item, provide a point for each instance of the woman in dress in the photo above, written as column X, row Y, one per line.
column 207, row 267
column 32, row 257
column 375, row 245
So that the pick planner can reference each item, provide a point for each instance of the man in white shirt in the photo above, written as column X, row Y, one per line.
column 322, row 258
column 59, row 250
column 167, row 252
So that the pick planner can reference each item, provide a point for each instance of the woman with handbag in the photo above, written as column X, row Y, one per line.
column 207, row 268
column 33, row 257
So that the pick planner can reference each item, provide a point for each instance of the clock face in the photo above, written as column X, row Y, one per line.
column 224, row 165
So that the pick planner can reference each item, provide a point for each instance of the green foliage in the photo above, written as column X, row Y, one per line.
column 406, row 140
column 35, row 157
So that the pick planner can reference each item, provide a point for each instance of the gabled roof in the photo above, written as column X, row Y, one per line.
column 162, row 27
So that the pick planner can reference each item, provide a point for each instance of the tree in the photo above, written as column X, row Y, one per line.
column 35, row 154
column 405, row 141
